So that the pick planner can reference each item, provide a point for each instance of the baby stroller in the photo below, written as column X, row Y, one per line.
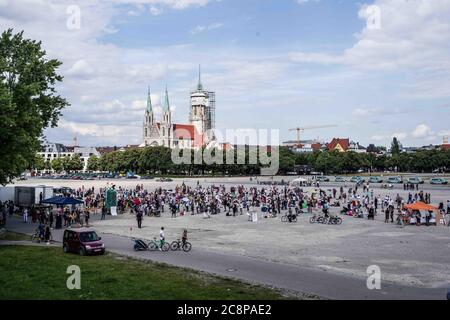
column 140, row 245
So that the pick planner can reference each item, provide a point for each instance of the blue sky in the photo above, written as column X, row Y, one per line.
column 274, row 64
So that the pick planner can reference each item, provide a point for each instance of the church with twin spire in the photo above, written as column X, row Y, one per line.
column 194, row 134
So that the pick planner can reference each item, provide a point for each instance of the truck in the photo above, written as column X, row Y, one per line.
column 25, row 195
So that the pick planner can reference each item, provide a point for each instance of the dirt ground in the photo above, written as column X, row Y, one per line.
column 411, row 255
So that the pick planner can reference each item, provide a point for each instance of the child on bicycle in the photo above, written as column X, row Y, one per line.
column 162, row 238
column 184, row 236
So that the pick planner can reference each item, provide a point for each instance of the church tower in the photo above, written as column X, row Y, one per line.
column 166, row 123
column 149, row 118
column 199, row 102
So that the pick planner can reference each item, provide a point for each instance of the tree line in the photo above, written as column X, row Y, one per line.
column 67, row 164
column 158, row 161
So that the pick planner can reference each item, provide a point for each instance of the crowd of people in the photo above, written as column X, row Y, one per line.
column 358, row 201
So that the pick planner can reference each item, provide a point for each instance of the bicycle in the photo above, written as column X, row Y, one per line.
column 178, row 245
column 318, row 219
column 285, row 218
column 158, row 244
column 400, row 222
column 335, row 220
column 36, row 236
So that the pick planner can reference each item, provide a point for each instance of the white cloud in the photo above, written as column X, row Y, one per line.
column 414, row 38
column 107, row 84
column 399, row 135
column 378, row 137
column 302, row 2
column 422, row 131
column 80, row 68
column 155, row 11
column 200, row 28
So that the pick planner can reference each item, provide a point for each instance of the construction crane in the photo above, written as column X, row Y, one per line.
column 301, row 129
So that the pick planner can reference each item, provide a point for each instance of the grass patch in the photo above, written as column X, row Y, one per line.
column 12, row 236
column 40, row 273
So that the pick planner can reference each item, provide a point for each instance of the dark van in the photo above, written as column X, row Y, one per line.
column 82, row 241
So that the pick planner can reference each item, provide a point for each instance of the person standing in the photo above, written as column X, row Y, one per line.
column 103, row 212
column 80, row 218
column 58, row 224
column 50, row 219
column 25, row 215
column 139, row 217
column 162, row 238
column 11, row 209
column 47, row 234
column 386, row 215
column 371, row 215
column 86, row 217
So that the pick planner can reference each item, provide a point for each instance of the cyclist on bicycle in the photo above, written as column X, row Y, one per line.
column 290, row 215
column 184, row 237
column 41, row 229
column 162, row 238
column 325, row 209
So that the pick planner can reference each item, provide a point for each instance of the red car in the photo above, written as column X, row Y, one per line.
column 83, row 241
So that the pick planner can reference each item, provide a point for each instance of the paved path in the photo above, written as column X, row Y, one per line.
column 310, row 281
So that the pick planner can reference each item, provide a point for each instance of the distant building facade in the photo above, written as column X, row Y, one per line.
column 51, row 151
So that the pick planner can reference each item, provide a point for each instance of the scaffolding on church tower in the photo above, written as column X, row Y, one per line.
column 211, row 111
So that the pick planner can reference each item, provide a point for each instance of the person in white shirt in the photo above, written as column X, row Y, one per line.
column 25, row 215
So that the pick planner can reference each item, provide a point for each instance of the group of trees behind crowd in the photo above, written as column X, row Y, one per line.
column 158, row 161
column 68, row 164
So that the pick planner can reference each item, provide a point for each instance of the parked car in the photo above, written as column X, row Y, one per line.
column 82, row 241
column 357, row 179
column 322, row 179
column 375, row 180
column 415, row 180
column 340, row 179
column 394, row 180
column 438, row 181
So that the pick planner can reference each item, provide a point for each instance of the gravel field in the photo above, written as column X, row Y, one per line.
column 417, row 256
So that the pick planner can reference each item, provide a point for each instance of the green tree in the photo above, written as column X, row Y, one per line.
column 28, row 101
column 395, row 146
column 74, row 163
column 57, row 164
column 93, row 163
column 39, row 163
column 48, row 165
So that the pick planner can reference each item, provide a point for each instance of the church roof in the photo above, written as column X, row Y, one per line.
column 184, row 131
